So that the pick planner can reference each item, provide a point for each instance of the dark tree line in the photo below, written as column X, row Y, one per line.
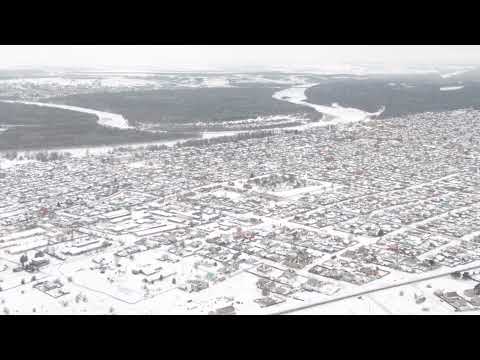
column 225, row 139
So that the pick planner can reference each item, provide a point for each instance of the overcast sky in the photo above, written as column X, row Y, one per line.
column 217, row 57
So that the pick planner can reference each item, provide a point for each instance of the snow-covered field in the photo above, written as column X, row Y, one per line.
column 272, row 122
column 259, row 120
column 215, row 134
column 286, row 80
column 127, row 81
column 5, row 163
column 63, row 81
column 216, row 82
column 102, row 150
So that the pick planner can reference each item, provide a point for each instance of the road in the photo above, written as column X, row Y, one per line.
column 371, row 291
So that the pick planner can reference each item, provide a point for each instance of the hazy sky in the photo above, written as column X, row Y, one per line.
column 228, row 56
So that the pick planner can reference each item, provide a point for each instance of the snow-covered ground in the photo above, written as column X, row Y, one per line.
column 215, row 134
column 5, row 163
column 400, row 300
column 104, row 118
column 216, row 82
column 296, row 95
column 60, row 81
column 286, row 80
column 259, row 120
column 64, row 81
column 102, row 150
column 129, row 81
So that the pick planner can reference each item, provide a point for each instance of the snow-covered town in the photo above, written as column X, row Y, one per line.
column 381, row 214
column 239, row 180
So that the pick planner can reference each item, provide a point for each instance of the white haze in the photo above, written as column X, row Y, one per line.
column 327, row 58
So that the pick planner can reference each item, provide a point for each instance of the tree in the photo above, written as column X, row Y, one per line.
column 53, row 156
column 23, row 260
column 476, row 289
column 456, row 275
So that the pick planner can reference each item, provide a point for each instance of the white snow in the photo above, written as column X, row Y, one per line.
column 451, row 88
column 22, row 234
column 60, row 81
column 48, row 81
column 216, row 82
column 6, row 163
column 215, row 134
column 263, row 119
column 126, row 82
column 259, row 120
column 287, row 80
column 11, row 213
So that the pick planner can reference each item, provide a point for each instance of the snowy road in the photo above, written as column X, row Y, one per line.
column 371, row 291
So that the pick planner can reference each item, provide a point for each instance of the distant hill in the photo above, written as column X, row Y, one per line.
column 471, row 75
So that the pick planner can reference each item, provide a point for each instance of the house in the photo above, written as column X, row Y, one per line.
column 313, row 285
column 227, row 310
column 264, row 268
column 194, row 285
column 43, row 212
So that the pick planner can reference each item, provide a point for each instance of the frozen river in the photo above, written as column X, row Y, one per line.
column 104, row 118
column 295, row 95
column 336, row 113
